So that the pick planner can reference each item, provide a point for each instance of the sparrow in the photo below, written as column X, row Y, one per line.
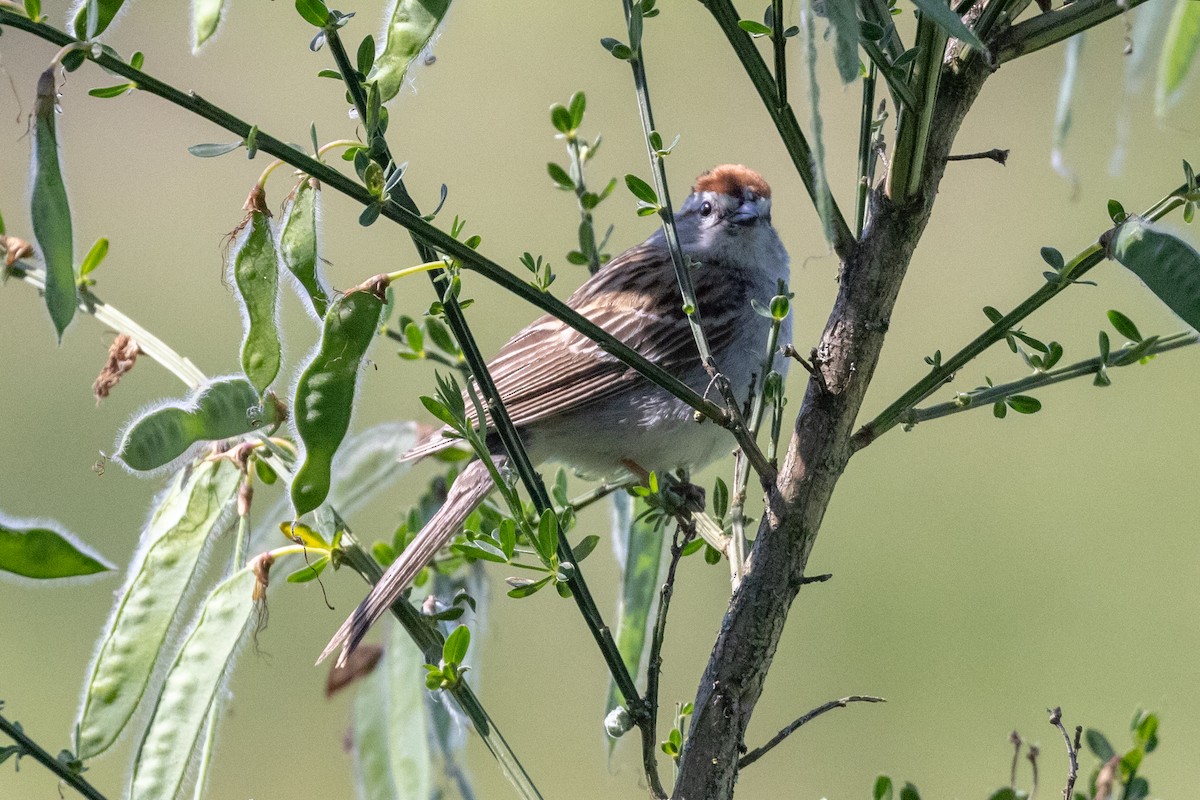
column 576, row 404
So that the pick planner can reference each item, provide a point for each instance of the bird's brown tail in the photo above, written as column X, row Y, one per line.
column 468, row 491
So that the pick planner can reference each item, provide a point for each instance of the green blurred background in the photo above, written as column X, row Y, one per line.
column 983, row 570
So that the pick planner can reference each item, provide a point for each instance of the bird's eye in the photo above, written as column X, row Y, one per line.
column 705, row 208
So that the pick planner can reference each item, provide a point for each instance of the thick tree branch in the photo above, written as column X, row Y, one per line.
column 819, row 449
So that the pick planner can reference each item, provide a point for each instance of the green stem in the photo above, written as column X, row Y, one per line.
column 902, row 95
column 32, row 749
column 912, row 131
column 984, row 398
column 666, row 213
column 778, row 43
column 1074, row 269
column 399, row 213
column 797, row 146
column 866, row 153
column 1053, row 27
column 585, row 214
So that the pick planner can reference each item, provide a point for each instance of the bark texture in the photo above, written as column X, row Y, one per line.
column 817, row 454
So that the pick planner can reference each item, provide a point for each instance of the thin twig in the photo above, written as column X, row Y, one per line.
column 757, row 753
column 1015, row 739
column 1072, row 750
column 654, row 662
column 995, row 154
column 1051, row 28
column 35, row 751
column 984, row 398
column 1074, row 269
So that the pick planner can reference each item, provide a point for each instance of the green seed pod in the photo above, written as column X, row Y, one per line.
column 410, row 26
column 299, row 244
column 159, row 574
column 255, row 267
column 50, row 211
column 192, row 686
column 325, row 392
column 1169, row 266
column 220, row 409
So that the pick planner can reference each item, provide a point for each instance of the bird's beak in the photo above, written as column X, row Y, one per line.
column 746, row 214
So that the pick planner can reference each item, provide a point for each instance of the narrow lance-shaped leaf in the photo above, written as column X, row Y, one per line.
column 50, row 211
column 638, row 548
column 43, row 551
column 390, row 737
column 1169, row 266
column 255, row 267
column 206, row 18
column 1177, row 54
column 326, row 390
column 192, row 682
column 844, row 20
column 299, row 243
column 409, row 25
column 220, row 409
column 820, row 183
column 1064, row 106
column 187, row 515
column 106, row 11
column 940, row 13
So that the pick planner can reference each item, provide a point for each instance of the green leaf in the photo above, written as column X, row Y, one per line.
column 845, row 22
column 314, row 11
column 641, row 190
column 106, row 10
column 754, row 28
column 365, row 58
column 94, row 257
column 560, row 118
column 720, row 499
column 1177, row 54
column 1116, row 212
column 410, row 27
column 454, row 650
column 909, row 792
column 1099, row 745
column 213, row 150
column 1003, row 794
column 206, row 18
column 391, row 735
column 616, row 48
column 309, row 571
column 585, row 547
column 820, row 186
column 1124, row 325
column 547, row 535
column 192, row 683
column 882, row 789
column 1169, row 266
column 576, row 105
column 1145, row 731
column 939, row 12
column 40, row 550
column 1024, row 404
column 560, row 176
column 523, row 587
column 1053, row 257
column 638, row 546
column 51, row 212
column 1138, row 789
column 106, row 92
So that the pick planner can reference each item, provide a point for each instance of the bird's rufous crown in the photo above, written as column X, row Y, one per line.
column 732, row 179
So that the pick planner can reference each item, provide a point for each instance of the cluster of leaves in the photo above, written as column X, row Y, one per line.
column 1115, row 777
column 417, row 336
column 567, row 121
